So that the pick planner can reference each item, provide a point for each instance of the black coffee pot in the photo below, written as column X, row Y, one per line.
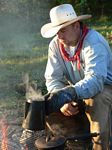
column 34, row 116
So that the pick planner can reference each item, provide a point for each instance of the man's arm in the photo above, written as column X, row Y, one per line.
column 95, row 71
column 54, row 73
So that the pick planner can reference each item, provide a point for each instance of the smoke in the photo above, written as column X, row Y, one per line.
column 12, row 33
column 20, row 22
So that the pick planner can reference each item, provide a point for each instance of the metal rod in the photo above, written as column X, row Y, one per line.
column 83, row 136
column 49, row 127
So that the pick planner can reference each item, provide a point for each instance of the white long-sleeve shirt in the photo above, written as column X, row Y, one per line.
column 96, row 67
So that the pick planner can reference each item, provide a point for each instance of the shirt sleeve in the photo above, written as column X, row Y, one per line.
column 53, row 74
column 95, row 71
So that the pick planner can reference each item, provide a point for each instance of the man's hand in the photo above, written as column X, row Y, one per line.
column 70, row 109
column 54, row 101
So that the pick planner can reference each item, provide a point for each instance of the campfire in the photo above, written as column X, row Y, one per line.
column 9, row 135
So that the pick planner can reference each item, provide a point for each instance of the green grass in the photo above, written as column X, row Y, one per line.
column 14, row 63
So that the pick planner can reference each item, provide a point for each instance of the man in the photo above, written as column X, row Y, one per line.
column 83, row 57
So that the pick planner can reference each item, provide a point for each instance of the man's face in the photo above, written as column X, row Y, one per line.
column 70, row 34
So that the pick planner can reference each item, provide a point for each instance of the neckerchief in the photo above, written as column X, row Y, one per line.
column 76, row 56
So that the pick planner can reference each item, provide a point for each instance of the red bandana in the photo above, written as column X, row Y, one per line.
column 76, row 56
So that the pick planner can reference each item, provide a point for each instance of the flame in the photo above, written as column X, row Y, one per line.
column 4, row 127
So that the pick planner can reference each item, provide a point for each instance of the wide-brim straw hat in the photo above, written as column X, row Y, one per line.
column 61, row 16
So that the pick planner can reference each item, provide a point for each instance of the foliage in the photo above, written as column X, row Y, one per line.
column 95, row 7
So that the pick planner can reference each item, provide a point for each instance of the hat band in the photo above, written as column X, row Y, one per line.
column 62, row 23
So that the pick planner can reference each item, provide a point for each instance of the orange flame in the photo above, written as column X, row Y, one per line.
column 4, row 127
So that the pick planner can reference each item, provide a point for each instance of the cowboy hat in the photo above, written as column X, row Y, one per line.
column 61, row 16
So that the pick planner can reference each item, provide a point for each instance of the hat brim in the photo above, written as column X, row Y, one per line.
column 49, row 30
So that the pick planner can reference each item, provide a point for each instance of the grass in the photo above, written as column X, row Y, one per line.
column 14, row 63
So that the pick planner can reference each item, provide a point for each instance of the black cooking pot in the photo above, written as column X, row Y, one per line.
column 58, row 142
column 55, row 143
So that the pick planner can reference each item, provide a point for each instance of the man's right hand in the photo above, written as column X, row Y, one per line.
column 70, row 109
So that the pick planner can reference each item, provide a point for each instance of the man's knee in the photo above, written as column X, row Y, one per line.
column 104, row 97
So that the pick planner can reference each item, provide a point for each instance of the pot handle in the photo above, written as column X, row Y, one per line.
column 83, row 136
